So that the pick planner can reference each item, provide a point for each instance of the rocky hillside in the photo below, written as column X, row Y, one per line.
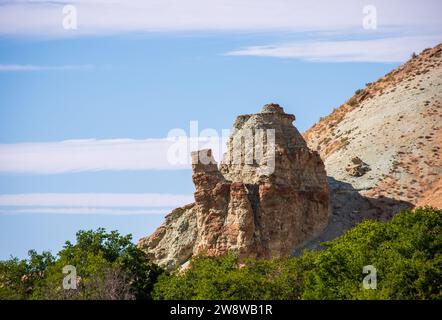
column 382, row 148
column 433, row 196
column 269, row 195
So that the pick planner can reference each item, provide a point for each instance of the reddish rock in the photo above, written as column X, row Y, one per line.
column 261, row 208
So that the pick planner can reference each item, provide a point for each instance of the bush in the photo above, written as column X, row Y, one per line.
column 108, row 266
column 227, row 279
column 18, row 278
column 406, row 252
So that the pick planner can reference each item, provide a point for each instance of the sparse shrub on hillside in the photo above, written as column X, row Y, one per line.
column 353, row 101
column 344, row 142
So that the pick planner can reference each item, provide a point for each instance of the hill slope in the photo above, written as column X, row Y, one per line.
column 382, row 148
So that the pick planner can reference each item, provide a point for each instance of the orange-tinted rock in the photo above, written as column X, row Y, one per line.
column 262, row 208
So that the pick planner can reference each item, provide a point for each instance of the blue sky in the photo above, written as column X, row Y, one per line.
column 84, row 113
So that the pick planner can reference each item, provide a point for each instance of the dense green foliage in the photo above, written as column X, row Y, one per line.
column 406, row 252
column 108, row 266
column 18, row 278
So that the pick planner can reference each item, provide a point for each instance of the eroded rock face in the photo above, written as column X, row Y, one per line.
column 269, row 195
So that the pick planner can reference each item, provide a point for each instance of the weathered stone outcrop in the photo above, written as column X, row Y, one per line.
column 269, row 195
column 357, row 167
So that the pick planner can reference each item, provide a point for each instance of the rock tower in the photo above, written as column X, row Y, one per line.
column 268, row 195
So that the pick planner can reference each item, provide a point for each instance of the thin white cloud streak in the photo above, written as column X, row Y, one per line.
column 102, row 155
column 95, row 200
column 44, row 18
column 83, row 211
column 377, row 50
column 35, row 68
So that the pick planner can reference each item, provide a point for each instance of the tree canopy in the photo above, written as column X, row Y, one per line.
column 108, row 266
column 404, row 254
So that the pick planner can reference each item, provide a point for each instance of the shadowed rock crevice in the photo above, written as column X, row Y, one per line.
column 253, row 196
column 349, row 208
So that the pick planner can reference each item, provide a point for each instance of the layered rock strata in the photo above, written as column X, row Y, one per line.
column 269, row 195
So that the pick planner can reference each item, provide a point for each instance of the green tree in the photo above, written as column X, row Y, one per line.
column 406, row 252
column 19, row 278
column 108, row 266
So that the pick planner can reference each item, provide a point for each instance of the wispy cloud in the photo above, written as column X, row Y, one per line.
column 396, row 49
column 282, row 17
column 102, row 155
column 84, row 211
column 110, row 200
column 92, row 203
column 121, row 16
column 34, row 68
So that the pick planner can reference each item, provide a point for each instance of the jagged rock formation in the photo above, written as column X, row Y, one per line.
column 394, row 126
column 357, row 167
column 269, row 195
